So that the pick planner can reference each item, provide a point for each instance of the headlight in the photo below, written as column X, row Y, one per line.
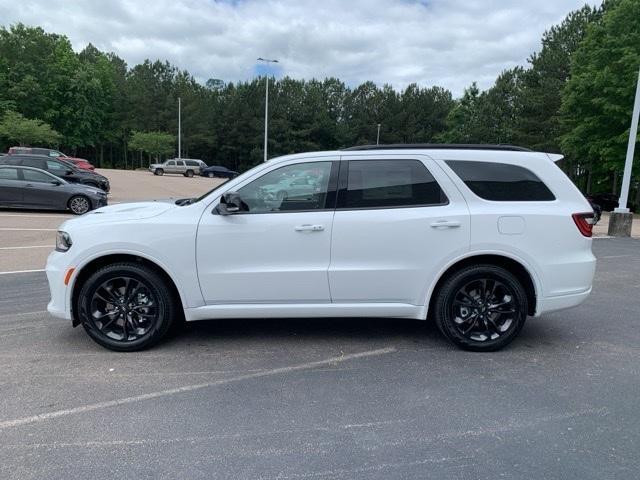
column 63, row 241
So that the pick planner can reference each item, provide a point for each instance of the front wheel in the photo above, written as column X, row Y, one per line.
column 211, row 175
column 158, row 171
column 79, row 204
column 126, row 307
column 481, row 308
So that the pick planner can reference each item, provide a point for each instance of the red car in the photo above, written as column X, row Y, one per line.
column 78, row 162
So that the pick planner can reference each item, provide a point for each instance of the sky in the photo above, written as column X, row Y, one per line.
column 449, row 43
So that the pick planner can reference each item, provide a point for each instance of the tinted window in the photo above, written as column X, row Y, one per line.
column 302, row 186
column 56, row 166
column 192, row 163
column 500, row 181
column 34, row 176
column 390, row 183
column 33, row 162
column 171, row 163
column 8, row 174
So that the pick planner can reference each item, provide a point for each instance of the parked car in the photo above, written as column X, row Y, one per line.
column 476, row 238
column 218, row 171
column 607, row 201
column 78, row 162
column 185, row 166
column 597, row 210
column 32, row 188
column 60, row 168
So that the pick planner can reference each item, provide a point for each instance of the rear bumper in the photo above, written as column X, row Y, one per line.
column 560, row 302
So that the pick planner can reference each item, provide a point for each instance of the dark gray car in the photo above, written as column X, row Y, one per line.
column 27, row 187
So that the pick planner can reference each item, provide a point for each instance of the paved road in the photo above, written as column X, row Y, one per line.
column 293, row 399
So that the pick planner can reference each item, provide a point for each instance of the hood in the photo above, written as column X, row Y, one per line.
column 121, row 212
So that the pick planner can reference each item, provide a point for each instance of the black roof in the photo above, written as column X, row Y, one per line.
column 439, row 146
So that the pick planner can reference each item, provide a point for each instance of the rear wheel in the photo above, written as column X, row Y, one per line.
column 188, row 173
column 79, row 204
column 158, row 171
column 126, row 307
column 211, row 175
column 481, row 308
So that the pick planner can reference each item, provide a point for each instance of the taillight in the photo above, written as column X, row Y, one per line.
column 584, row 222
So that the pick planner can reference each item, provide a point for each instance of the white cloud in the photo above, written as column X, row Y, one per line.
column 431, row 42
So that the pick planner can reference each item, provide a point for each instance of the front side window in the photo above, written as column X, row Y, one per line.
column 34, row 176
column 501, row 182
column 390, row 183
column 171, row 163
column 302, row 186
column 53, row 165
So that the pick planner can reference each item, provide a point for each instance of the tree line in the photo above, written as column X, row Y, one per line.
column 573, row 96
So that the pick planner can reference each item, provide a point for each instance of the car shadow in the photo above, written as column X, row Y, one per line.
column 308, row 329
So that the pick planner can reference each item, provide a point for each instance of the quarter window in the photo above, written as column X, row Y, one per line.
column 303, row 186
column 390, row 183
column 500, row 181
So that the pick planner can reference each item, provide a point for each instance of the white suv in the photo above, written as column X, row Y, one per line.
column 475, row 237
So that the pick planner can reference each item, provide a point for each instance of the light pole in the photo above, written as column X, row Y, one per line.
column 378, row 136
column 266, row 105
column 621, row 219
column 179, row 128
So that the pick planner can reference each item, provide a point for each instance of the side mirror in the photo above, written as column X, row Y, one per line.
column 231, row 203
column 69, row 172
column 57, row 183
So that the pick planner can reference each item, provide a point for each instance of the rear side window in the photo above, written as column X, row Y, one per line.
column 34, row 162
column 390, row 183
column 501, row 182
column 8, row 174
column 191, row 163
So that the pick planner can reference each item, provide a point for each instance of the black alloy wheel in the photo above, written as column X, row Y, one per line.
column 79, row 204
column 481, row 308
column 126, row 307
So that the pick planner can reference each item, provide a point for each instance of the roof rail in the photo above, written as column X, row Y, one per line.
column 439, row 146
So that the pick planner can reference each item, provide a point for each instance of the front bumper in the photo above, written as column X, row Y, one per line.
column 98, row 202
column 57, row 266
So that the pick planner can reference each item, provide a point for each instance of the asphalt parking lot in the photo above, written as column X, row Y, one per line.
column 292, row 399
column 296, row 399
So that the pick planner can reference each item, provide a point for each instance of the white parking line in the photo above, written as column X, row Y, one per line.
column 44, row 215
column 189, row 388
column 21, row 271
column 22, row 248
column 29, row 229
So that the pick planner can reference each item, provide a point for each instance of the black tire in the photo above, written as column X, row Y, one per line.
column 158, row 171
column 481, row 308
column 188, row 173
column 127, row 328
column 79, row 204
column 211, row 174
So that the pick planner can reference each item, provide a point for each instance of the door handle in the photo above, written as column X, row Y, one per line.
column 309, row 228
column 446, row 224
